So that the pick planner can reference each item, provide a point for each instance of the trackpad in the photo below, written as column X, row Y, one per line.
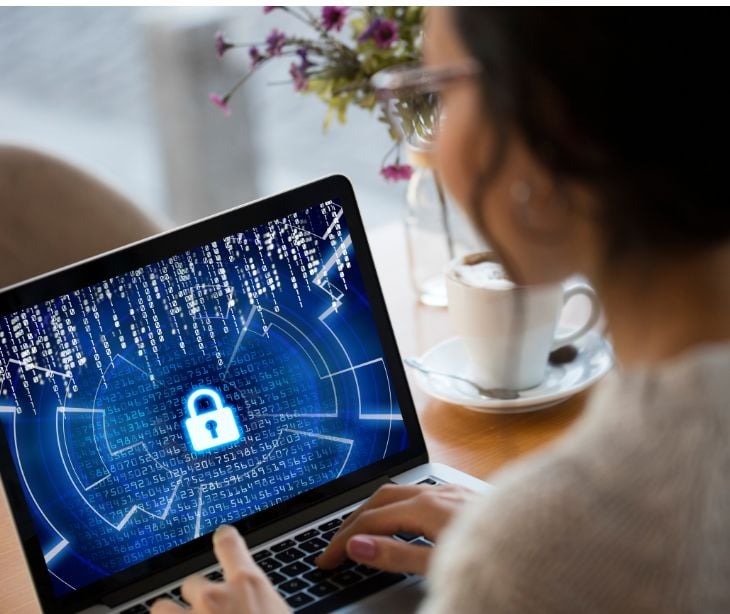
column 402, row 598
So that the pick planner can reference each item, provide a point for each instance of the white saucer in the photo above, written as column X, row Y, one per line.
column 594, row 360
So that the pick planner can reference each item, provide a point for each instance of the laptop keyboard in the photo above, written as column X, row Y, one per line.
column 290, row 566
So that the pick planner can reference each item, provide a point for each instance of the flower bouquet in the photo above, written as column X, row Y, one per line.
column 338, row 68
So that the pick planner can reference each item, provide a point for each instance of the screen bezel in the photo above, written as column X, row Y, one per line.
column 159, row 247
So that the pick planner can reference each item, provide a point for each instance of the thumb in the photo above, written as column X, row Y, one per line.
column 389, row 554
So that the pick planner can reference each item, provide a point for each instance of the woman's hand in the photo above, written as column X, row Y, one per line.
column 365, row 536
column 246, row 589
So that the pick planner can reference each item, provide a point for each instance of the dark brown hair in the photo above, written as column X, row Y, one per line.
column 629, row 101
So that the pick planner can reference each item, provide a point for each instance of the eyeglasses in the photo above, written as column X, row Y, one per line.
column 409, row 96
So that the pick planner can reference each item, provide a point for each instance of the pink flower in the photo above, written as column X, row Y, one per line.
column 333, row 17
column 221, row 45
column 302, row 52
column 255, row 55
column 298, row 76
column 397, row 172
column 220, row 101
column 275, row 42
column 383, row 31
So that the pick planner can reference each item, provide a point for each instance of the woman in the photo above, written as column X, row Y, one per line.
column 579, row 142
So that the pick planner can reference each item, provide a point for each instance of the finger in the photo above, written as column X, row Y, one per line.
column 231, row 551
column 389, row 554
column 194, row 590
column 166, row 606
column 386, row 520
column 385, row 495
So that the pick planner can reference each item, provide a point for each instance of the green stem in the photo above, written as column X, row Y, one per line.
column 243, row 80
column 390, row 151
column 352, row 87
column 314, row 23
column 238, row 44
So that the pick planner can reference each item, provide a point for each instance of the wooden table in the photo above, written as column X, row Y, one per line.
column 473, row 442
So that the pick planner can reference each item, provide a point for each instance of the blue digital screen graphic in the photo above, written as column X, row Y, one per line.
column 145, row 410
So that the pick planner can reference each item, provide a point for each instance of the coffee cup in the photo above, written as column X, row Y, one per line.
column 508, row 330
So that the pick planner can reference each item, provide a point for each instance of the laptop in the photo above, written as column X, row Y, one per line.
column 241, row 369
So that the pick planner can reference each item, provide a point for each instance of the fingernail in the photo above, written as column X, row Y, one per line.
column 220, row 529
column 361, row 548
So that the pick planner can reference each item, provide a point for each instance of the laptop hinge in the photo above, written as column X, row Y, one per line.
column 253, row 539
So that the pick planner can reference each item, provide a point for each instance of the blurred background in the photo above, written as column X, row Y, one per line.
column 122, row 92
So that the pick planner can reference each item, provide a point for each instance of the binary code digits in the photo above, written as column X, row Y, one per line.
column 145, row 410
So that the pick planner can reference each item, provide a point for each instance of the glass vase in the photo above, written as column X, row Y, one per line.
column 437, row 231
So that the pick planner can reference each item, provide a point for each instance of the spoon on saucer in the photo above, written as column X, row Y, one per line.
column 502, row 394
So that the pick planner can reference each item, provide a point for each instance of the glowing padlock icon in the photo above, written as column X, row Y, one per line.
column 214, row 427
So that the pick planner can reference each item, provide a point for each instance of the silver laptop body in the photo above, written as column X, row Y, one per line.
column 240, row 369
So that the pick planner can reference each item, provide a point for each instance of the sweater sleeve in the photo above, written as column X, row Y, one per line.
column 625, row 513
column 509, row 552
column 554, row 538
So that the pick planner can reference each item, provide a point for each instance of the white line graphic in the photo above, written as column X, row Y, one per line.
column 127, row 517
column 200, row 507
column 130, row 363
column 277, row 444
column 49, row 556
column 246, row 324
column 229, row 300
column 29, row 366
column 338, row 215
column 352, row 368
column 61, row 580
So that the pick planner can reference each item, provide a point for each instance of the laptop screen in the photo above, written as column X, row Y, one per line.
column 144, row 410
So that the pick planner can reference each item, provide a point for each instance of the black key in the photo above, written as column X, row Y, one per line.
column 302, row 537
column 313, row 545
column 330, row 524
column 406, row 536
column 309, row 559
column 294, row 569
column 287, row 543
column 177, row 593
column 346, row 578
column 353, row 593
column 293, row 586
column 329, row 535
column 269, row 564
column 261, row 555
column 346, row 564
column 275, row 577
column 293, row 554
column 135, row 609
column 366, row 571
column 322, row 589
column 215, row 576
column 298, row 600
column 422, row 541
column 428, row 481
column 317, row 575
column 344, row 516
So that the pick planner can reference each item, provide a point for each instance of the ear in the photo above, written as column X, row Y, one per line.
column 538, row 222
column 540, row 206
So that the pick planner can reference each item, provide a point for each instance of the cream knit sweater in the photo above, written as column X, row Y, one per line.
column 629, row 512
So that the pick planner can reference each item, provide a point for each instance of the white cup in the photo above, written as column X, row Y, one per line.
column 508, row 330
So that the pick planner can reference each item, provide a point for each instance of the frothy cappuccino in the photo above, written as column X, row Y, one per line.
column 506, row 347
column 482, row 271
